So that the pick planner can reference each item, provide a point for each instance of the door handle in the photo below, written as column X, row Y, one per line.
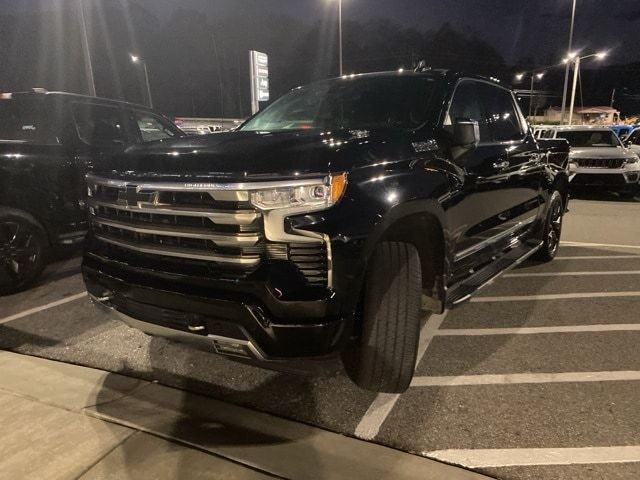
column 501, row 165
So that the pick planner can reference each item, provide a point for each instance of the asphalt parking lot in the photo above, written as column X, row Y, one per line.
column 537, row 377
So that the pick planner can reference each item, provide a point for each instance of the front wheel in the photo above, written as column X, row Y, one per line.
column 552, row 228
column 384, row 360
column 22, row 250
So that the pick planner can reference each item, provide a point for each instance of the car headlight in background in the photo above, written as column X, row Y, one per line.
column 315, row 196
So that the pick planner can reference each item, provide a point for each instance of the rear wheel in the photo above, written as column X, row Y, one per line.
column 384, row 360
column 552, row 228
column 23, row 245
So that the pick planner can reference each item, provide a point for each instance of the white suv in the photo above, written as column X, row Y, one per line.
column 598, row 158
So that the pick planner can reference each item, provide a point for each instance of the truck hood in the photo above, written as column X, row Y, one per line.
column 600, row 152
column 248, row 155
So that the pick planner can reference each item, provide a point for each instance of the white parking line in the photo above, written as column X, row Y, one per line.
column 570, row 274
column 520, row 378
column 382, row 405
column 613, row 327
column 553, row 296
column 597, row 257
column 31, row 311
column 536, row 456
column 583, row 244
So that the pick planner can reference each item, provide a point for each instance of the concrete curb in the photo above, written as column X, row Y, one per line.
column 259, row 441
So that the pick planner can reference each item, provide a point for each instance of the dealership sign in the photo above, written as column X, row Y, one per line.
column 259, row 79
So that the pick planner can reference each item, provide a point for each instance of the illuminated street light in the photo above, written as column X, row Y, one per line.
column 576, row 72
column 137, row 59
column 534, row 76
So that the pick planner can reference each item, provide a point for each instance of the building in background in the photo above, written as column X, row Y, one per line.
column 581, row 116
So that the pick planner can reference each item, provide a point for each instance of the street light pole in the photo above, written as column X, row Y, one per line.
column 566, row 71
column 340, row 32
column 576, row 69
column 576, row 61
column 531, row 96
column 137, row 59
column 86, row 51
column 146, row 79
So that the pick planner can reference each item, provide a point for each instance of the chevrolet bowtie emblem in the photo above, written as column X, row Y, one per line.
column 132, row 198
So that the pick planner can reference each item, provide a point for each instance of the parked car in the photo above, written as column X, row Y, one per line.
column 325, row 223
column 48, row 141
column 598, row 158
column 622, row 130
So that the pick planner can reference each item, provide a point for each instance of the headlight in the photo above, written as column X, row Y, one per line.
column 315, row 196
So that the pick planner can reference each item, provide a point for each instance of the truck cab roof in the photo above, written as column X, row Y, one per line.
column 43, row 93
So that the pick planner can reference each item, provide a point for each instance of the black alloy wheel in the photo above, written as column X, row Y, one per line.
column 552, row 228
column 22, row 248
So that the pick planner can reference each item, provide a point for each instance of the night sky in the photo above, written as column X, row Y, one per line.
column 517, row 28
column 197, row 49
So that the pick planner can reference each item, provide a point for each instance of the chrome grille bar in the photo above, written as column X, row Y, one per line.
column 247, row 261
column 237, row 240
column 238, row 217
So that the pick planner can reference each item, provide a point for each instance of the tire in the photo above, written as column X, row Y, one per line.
column 23, row 250
column 384, row 360
column 552, row 228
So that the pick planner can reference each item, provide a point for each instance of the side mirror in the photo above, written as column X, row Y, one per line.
column 466, row 133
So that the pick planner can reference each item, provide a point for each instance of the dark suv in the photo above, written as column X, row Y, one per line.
column 48, row 141
column 325, row 222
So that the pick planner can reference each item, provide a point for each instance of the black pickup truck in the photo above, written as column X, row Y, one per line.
column 48, row 142
column 326, row 222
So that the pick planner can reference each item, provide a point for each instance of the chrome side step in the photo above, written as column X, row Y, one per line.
column 462, row 291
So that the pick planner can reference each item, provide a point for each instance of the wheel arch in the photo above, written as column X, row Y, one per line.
column 561, row 184
column 420, row 223
column 5, row 210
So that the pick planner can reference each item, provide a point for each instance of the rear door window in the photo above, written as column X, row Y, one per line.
column 99, row 125
column 22, row 120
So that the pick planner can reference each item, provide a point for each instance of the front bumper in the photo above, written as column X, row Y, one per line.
column 230, row 323
column 624, row 178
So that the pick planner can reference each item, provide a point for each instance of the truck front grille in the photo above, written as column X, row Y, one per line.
column 600, row 162
column 193, row 230
column 218, row 226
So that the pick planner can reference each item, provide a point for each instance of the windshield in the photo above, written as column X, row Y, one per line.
column 21, row 120
column 590, row 138
column 360, row 103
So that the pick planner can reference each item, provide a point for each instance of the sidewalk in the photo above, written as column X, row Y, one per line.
column 62, row 421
